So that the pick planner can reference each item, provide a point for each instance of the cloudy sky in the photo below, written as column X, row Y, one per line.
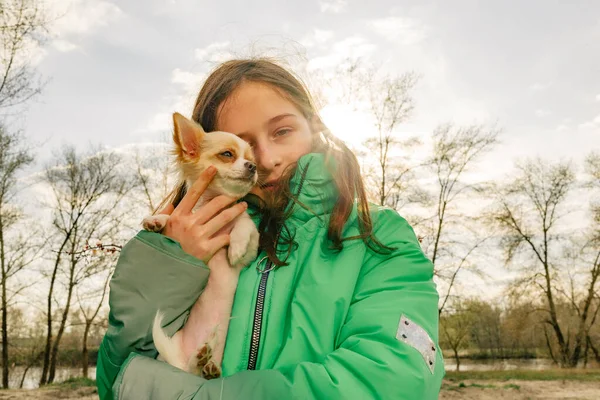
column 116, row 70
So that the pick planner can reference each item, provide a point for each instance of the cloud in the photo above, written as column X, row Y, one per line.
column 316, row 37
column 214, row 52
column 538, row 86
column 186, row 78
column 598, row 97
column 541, row 113
column 595, row 123
column 562, row 127
column 74, row 19
column 187, row 85
column 333, row 6
column 353, row 47
column 84, row 16
column 64, row 46
column 406, row 31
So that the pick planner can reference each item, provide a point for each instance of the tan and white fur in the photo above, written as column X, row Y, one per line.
column 236, row 175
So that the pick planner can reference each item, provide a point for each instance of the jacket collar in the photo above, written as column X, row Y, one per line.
column 312, row 185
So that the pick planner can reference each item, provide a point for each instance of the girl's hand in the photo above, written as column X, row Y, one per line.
column 205, row 231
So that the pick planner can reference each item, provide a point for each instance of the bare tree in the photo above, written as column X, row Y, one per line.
column 90, row 302
column 22, row 26
column 591, row 258
column 529, row 211
column 592, row 167
column 86, row 191
column 152, row 170
column 389, row 101
column 17, row 250
column 455, row 327
column 28, row 340
column 455, row 152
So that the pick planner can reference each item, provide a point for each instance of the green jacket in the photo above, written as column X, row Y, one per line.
column 349, row 325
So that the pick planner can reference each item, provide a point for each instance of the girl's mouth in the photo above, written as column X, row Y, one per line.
column 269, row 186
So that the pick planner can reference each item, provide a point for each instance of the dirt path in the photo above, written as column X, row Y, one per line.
column 85, row 393
column 520, row 390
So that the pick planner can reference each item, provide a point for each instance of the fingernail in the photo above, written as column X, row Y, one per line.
column 244, row 205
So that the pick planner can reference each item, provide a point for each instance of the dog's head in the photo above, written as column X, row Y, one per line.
column 196, row 150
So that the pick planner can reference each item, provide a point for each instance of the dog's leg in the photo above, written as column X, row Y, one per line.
column 203, row 354
column 243, row 245
column 207, row 325
column 212, row 368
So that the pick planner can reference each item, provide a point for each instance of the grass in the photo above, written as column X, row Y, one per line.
column 527, row 375
column 74, row 383
column 511, row 386
column 463, row 385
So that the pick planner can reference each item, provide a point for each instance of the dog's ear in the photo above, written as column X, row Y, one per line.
column 187, row 136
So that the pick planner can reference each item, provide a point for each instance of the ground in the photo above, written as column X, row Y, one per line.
column 488, row 385
column 75, row 388
column 520, row 390
column 85, row 393
column 469, row 390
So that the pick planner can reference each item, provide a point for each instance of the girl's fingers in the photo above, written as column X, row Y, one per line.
column 225, row 217
column 217, row 243
column 210, row 209
column 168, row 210
column 193, row 194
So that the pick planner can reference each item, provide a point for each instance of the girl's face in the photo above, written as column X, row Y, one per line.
column 275, row 128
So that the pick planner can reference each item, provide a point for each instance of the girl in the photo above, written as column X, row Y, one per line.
column 340, row 302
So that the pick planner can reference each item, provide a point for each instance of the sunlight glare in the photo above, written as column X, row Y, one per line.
column 350, row 125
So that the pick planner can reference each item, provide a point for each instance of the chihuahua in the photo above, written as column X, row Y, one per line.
column 195, row 151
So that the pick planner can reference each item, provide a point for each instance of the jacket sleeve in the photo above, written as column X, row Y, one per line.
column 387, row 347
column 152, row 273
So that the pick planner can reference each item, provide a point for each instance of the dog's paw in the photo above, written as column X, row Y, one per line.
column 211, row 370
column 203, row 356
column 155, row 223
column 243, row 250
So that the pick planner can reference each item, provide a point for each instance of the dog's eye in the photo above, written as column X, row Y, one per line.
column 227, row 154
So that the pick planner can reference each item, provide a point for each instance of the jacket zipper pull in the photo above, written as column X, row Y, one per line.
column 268, row 265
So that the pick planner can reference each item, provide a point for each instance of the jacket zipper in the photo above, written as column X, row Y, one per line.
column 258, row 316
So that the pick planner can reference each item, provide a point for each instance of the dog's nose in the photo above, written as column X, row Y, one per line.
column 250, row 166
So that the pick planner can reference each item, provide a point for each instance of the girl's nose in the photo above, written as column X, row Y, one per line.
column 267, row 157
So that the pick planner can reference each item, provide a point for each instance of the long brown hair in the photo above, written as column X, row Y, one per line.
column 217, row 88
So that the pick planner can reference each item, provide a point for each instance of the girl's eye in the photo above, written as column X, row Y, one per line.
column 227, row 154
column 283, row 132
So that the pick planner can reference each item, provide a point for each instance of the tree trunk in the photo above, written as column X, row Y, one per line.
column 61, row 330
column 23, row 377
column 84, row 350
column 585, row 354
column 594, row 349
column 27, row 367
column 438, row 234
column 582, row 333
column 457, row 358
column 550, row 346
column 562, row 345
column 4, row 310
column 48, row 348
column 65, row 315
column 5, row 364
